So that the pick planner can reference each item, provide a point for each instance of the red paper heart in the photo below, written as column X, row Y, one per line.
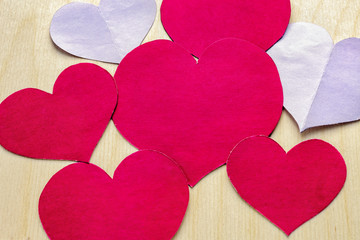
column 147, row 199
column 288, row 189
column 196, row 113
column 64, row 125
column 197, row 24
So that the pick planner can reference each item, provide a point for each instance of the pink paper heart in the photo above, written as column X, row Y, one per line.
column 197, row 24
column 287, row 188
column 65, row 125
column 147, row 199
column 196, row 112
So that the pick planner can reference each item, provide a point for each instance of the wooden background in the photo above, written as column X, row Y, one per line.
column 28, row 58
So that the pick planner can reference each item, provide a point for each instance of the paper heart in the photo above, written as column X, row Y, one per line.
column 147, row 199
column 196, row 112
column 321, row 81
column 197, row 24
column 65, row 125
column 105, row 33
column 287, row 188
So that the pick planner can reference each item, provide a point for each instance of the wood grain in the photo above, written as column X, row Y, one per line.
column 29, row 59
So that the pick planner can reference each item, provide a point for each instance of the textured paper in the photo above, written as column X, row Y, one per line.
column 321, row 81
column 196, row 113
column 197, row 24
column 65, row 125
column 106, row 32
column 147, row 199
column 287, row 188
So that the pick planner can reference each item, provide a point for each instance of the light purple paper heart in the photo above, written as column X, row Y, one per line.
column 337, row 99
column 106, row 32
column 321, row 82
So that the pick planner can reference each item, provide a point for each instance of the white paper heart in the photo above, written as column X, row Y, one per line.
column 321, row 82
column 106, row 32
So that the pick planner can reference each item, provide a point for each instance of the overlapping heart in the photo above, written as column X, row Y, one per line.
column 196, row 112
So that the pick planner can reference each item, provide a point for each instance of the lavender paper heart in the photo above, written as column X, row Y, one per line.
column 106, row 32
column 321, row 82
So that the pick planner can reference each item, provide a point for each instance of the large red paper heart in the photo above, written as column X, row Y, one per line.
column 64, row 125
column 196, row 112
column 197, row 24
column 147, row 199
column 288, row 189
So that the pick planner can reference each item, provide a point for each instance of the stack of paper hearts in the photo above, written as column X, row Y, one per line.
column 190, row 114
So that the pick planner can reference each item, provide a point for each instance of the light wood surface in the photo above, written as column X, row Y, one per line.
column 28, row 58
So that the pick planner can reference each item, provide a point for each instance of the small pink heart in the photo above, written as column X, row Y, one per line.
column 147, row 199
column 195, row 25
column 65, row 125
column 287, row 188
column 196, row 112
